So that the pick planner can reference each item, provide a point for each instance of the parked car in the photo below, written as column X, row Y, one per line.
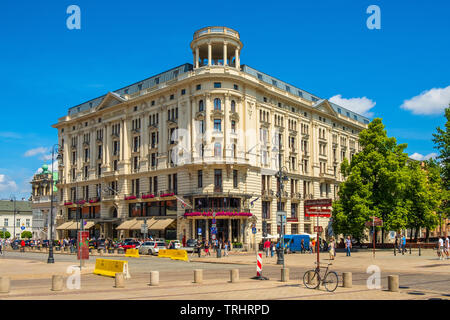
column 156, row 246
column 130, row 245
column 177, row 244
column 45, row 243
column 191, row 243
column 147, row 247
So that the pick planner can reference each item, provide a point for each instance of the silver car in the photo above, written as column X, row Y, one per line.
column 151, row 247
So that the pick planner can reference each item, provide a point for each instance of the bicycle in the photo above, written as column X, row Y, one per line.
column 312, row 279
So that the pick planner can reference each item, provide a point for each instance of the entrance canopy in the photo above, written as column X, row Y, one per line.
column 76, row 225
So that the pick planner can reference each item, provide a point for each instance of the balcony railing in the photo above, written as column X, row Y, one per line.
column 218, row 189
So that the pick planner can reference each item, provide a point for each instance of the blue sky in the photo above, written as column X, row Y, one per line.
column 323, row 47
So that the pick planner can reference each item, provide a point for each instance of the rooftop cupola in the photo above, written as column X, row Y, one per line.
column 216, row 46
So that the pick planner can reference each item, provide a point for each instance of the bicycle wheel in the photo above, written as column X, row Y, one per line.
column 331, row 281
column 311, row 279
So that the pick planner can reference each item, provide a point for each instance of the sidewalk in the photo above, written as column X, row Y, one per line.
column 427, row 262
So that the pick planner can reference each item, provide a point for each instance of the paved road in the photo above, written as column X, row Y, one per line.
column 414, row 284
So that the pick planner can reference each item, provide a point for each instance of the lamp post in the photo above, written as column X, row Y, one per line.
column 281, row 177
column 13, row 199
column 50, row 245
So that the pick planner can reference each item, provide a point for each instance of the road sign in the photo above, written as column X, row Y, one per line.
column 281, row 217
column 144, row 228
column 213, row 230
column 213, row 236
column 22, row 228
column 214, row 221
column 199, row 231
column 318, row 228
column 374, row 222
column 83, row 245
column 392, row 235
column 254, row 230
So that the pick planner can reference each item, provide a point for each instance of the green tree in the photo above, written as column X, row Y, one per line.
column 7, row 235
column 374, row 186
column 26, row 234
column 442, row 143
column 422, row 195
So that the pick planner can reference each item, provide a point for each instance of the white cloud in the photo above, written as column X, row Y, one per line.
column 358, row 105
column 46, row 157
column 430, row 102
column 420, row 157
column 6, row 184
column 36, row 151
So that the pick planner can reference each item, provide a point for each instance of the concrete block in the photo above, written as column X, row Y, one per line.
column 154, row 278
column 5, row 283
column 234, row 275
column 393, row 281
column 347, row 279
column 57, row 283
column 119, row 280
column 198, row 276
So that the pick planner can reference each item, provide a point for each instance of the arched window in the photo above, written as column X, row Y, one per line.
column 217, row 104
column 233, row 106
column 200, row 105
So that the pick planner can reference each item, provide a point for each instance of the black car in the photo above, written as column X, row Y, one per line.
column 192, row 243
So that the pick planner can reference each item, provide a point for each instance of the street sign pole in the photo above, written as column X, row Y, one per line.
column 373, row 235
column 318, row 245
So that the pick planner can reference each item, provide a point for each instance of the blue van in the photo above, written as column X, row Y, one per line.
column 292, row 242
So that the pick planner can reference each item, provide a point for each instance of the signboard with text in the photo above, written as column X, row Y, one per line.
column 83, row 245
column 318, row 208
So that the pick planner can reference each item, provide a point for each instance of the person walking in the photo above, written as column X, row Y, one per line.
column 332, row 249
column 348, row 246
column 440, row 249
column 207, row 253
column 1, row 246
column 310, row 247
column 272, row 249
column 446, row 246
column 267, row 247
column 403, row 244
column 302, row 246
column 225, row 248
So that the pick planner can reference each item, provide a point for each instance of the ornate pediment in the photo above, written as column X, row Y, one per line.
column 111, row 99
column 325, row 107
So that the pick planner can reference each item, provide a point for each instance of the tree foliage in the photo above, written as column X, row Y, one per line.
column 375, row 182
column 442, row 143
column 8, row 235
column 26, row 235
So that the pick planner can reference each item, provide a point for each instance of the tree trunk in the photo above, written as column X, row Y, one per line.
column 382, row 235
column 416, row 234
column 410, row 235
column 427, row 236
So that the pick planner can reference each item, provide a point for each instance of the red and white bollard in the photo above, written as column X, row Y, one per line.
column 259, row 265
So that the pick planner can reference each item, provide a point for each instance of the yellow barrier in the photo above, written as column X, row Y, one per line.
column 109, row 268
column 134, row 253
column 164, row 253
column 179, row 255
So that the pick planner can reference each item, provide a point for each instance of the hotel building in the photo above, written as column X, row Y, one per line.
column 202, row 140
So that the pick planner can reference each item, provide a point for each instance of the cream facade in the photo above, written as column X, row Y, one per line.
column 208, row 134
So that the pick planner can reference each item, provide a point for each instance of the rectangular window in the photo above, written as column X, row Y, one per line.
column 265, row 209
column 199, row 179
column 217, row 125
column 155, row 185
column 183, row 92
column 218, row 178
column 294, row 228
column 233, row 126
column 199, row 87
column 236, row 87
column 235, row 179
column 217, row 85
column 17, row 222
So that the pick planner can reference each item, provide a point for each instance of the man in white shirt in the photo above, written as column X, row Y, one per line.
column 441, row 249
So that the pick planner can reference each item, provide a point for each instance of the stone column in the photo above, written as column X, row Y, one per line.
column 225, row 54
column 229, row 230
column 106, row 148
column 236, row 58
column 197, row 56
column 207, row 229
column 209, row 53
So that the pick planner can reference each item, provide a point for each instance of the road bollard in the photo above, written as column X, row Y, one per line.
column 119, row 280
column 154, row 278
column 284, row 274
column 57, row 283
column 409, row 248
column 347, row 279
column 420, row 253
column 393, row 283
column 234, row 275
column 198, row 276
column 5, row 283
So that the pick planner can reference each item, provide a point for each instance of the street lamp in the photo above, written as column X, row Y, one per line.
column 50, row 259
column 281, row 175
column 13, row 199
